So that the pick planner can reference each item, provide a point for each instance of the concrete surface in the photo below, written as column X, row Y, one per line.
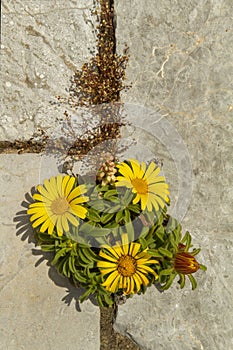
column 39, row 310
column 43, row 43
column 181, row 65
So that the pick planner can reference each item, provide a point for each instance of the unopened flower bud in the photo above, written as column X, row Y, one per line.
column 102, row 174
column 185, row 263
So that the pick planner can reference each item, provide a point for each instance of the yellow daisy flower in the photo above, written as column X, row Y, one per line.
column 150, row 188
column 126, row 267
column 57, row 204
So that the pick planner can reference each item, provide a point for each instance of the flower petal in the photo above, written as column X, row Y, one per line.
column 106, row 264
column 76, row 192
column 79, row 200
column 72, row 219
column 134, row 248
column 69, row 186
column 152, row 169
column 106, row 256
column 79, row 211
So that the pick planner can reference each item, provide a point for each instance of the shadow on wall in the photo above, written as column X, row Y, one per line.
column 25, row 230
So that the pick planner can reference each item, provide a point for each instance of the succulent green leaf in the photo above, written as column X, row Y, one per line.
column 119, row 216
column 196, row 251
column 155, row 253
column 203, row 267
column 85, row 295
column 160, row 233
column 127, row 215
column 58, row 255
column 181, row 280
column 193, row 281
column 47, row 247
column 111, row 194
column 134, row 208
column 166, row 272
column 169, row 282
column 165, row 252
column 93, row 215
column 106, row 217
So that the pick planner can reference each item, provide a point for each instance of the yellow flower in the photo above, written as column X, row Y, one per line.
column 57, row 204
column 150, row 188
column 126, row 267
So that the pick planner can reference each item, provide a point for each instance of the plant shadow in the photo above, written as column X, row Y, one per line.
column 25, row 230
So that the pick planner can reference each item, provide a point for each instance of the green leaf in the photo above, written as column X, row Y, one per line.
column 48, row 247
column 79, row 277
column 58, row 255
column 155, row 253
column 65, row 268
column 114, row 209
column 99, row 300
column 106, row 217
column 83, row 256
column 166, row 272
column 143, row 242
column 111, row 225
column 172, row 241
column 85, row 295
column 128, row 196
column 90, row 255
column 100, row 231
column 172, row 225
column 97, row 205
column 93, row 215
column 165, row 252
column 160, row 233
column 203, row 267
column 134, row 208
column 187, row 240
column 196, row 251
column 119, row 216
column 193, row 281
column 130, row 231
column 87, row 228
column 181, row 280
column 45, row 237
column 111, row 195
column 127, row 215
column 108, row 299
column 71, row 260
column 169, row 282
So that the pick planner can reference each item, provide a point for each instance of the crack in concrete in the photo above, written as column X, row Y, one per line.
column 109, row 338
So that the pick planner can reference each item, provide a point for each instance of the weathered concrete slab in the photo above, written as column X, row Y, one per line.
column 180, row 66
column 43, row 43
column 180, row 55
column 38, row 307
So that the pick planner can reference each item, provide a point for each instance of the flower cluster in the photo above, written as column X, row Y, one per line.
column 114, row 238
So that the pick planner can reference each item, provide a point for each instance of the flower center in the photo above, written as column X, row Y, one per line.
column 127, row 265
column 140, row 186
column 59, row 206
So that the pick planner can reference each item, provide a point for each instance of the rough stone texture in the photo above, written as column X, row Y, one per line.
column 38, row 307
column 43, row 43
column 181, row 65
